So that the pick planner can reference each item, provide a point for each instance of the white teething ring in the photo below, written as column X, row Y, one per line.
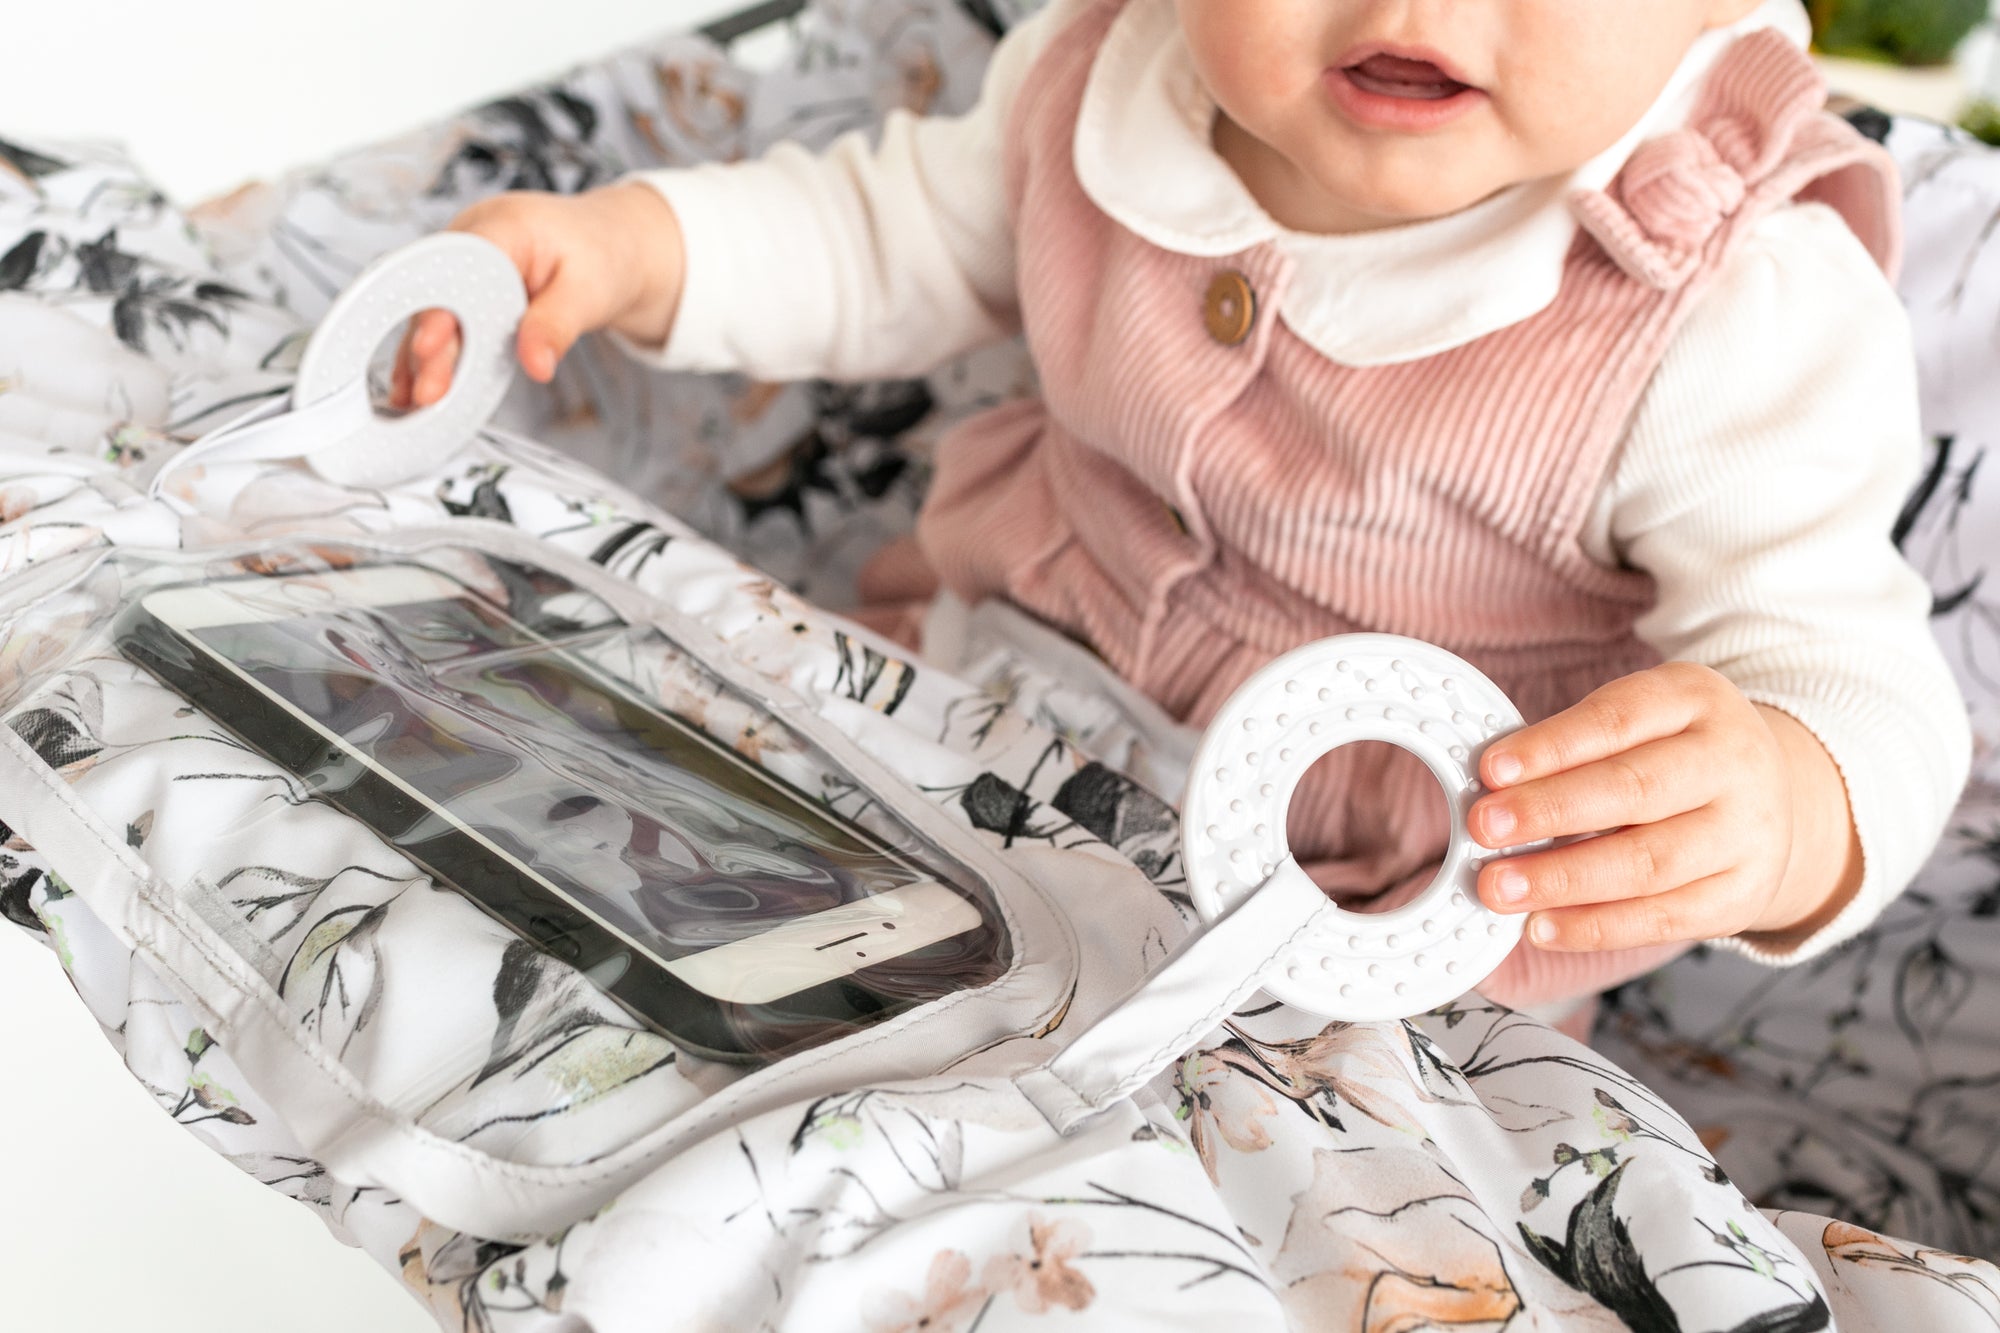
column 453, row 271
column 1361, row 687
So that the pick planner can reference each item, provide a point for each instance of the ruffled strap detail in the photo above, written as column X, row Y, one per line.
column 1760, row 138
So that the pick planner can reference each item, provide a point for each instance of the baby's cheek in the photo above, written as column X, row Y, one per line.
column 1575, row 76
column 1255, row 56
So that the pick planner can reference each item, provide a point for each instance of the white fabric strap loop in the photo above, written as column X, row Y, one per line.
column 275, row 430
column 1195, row 989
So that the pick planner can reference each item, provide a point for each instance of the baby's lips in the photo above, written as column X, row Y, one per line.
column 1401, row 76
column 1416, row 66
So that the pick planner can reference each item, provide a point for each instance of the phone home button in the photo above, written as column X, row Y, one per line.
column 605, row 973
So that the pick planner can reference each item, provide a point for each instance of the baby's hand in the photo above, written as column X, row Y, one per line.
column 609, row 258
column 1698, row 784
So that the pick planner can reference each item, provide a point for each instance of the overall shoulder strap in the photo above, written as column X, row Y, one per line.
column 1760, row 139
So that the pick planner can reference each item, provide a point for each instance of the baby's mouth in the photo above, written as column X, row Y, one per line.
column 1394, row 76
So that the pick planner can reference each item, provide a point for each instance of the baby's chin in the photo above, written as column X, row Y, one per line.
column 1361, row 196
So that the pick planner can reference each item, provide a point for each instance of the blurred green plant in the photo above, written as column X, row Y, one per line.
column 1982, row 119
column 1908, row 32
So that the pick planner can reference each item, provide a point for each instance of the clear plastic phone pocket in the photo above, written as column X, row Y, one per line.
column 484, row 875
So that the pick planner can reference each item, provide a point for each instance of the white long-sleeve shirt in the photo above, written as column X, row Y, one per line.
column 1757, row 482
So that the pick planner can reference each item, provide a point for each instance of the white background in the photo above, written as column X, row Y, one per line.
column 112, row 1219
column 212, row 93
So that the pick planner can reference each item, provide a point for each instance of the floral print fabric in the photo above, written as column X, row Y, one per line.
column 1468, row 1169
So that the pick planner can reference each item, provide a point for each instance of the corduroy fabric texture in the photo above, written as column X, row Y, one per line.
column 1191, row 509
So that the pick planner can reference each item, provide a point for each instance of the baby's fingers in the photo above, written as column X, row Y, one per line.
column 402, row 374
column 430, row 337
column 1627, row 713
column 1642, row 786
column 433, row 342
column 1635, row 862
column 559, row 314
column 1704, row 910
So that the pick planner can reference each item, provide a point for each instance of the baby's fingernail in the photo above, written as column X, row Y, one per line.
column 1505, row 768
column 1510, row 886
column 1542, row 930
column 1499, row 821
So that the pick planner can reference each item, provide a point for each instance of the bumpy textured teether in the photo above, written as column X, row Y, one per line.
column 471, row 278
column 1362, row 687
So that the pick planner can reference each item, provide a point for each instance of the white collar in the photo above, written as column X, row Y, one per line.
column 1370, row 298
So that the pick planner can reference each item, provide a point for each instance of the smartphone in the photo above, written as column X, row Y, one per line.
column 715, row 902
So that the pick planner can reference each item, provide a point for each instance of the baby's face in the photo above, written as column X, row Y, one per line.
column 1345, row 115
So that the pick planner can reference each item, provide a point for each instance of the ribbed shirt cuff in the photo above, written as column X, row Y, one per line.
column 1901, row 786
column 711, row 210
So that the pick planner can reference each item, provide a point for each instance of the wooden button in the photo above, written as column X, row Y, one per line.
column 1230, row 310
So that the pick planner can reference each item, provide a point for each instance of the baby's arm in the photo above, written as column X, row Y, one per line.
column 1786, row 773
column 863, row 261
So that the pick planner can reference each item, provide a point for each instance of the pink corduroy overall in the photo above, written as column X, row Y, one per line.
column 1191, row 507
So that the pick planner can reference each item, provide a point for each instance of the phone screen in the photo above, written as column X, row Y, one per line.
column 674, row 843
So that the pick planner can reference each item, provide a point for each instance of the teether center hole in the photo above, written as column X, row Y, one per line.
column 412, row 366
column 1370, row 823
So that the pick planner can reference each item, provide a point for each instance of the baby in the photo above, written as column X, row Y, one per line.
column 1555, row 332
